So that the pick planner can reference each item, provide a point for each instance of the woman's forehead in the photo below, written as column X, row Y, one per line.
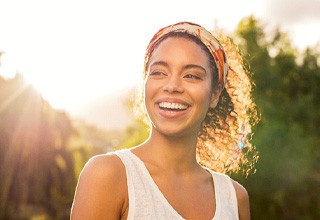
column 178, row 49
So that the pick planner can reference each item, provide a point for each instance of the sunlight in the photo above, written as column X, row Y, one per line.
column 8, row 66
column 299, row 35
column 75, row 79
column 12, row 97
column 72, row 60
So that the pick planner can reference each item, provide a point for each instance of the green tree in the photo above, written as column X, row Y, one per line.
column 286, row 184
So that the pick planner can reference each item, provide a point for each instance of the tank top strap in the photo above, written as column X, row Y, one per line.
column 129, row 166
column 226, row 197
column 145, row 199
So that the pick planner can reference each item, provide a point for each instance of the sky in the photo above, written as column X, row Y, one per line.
column 74, row 51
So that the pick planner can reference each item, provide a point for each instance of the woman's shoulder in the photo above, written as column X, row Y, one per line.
column 103, row 170
column 240, row 190
column 242, row 200
column 101, row 189
column 104, row 167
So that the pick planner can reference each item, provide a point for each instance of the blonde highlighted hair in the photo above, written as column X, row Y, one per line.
column 224, row 141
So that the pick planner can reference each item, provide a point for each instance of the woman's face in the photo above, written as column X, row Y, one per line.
column 178, row 87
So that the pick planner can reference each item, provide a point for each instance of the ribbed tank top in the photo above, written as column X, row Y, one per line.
column 146, row 202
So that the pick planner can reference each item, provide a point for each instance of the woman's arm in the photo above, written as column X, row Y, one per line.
column 101, row 190
column 243, row 201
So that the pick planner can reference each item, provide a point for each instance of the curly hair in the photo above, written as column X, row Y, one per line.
column 224, row 140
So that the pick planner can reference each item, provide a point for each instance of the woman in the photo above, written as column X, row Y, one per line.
column 199, row 122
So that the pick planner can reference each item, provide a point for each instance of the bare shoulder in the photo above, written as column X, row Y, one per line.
column 243, row 201
column 241, row 192
column 101, row 189
column 105, row 167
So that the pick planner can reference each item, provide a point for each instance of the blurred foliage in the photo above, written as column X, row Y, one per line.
column 135, row 134
column 42, row 150
column 287, row 182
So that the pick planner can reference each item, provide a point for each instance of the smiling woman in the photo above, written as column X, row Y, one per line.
column 200, row 113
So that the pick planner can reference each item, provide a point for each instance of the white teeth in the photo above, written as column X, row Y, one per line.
column 173, row 105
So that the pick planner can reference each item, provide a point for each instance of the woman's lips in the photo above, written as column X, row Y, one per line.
column 172, row 109
column 173, row 106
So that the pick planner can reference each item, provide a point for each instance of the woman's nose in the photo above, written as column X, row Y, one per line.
column 173, row 85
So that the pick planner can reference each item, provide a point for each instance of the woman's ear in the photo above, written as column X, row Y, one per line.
column 215, row 97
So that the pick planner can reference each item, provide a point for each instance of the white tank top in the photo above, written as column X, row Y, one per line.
column 146, row 202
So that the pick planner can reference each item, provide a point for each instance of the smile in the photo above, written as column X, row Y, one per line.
column 172, row 106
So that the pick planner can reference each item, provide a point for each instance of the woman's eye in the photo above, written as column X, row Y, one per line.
column 192, row 76
column 157, row 73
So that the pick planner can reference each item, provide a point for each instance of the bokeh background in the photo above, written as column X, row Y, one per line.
column 69, row 70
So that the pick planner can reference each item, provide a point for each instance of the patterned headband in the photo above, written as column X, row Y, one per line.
column 206, row 38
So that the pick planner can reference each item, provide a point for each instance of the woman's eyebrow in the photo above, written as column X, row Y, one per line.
column 159, row 63
column 186, row 67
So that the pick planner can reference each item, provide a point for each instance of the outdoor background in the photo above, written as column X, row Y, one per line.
column 68, row 75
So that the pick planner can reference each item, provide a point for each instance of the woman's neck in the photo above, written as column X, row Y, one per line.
column 177, row 154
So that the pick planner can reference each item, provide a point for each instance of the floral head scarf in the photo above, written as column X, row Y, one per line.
column 202, row 34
